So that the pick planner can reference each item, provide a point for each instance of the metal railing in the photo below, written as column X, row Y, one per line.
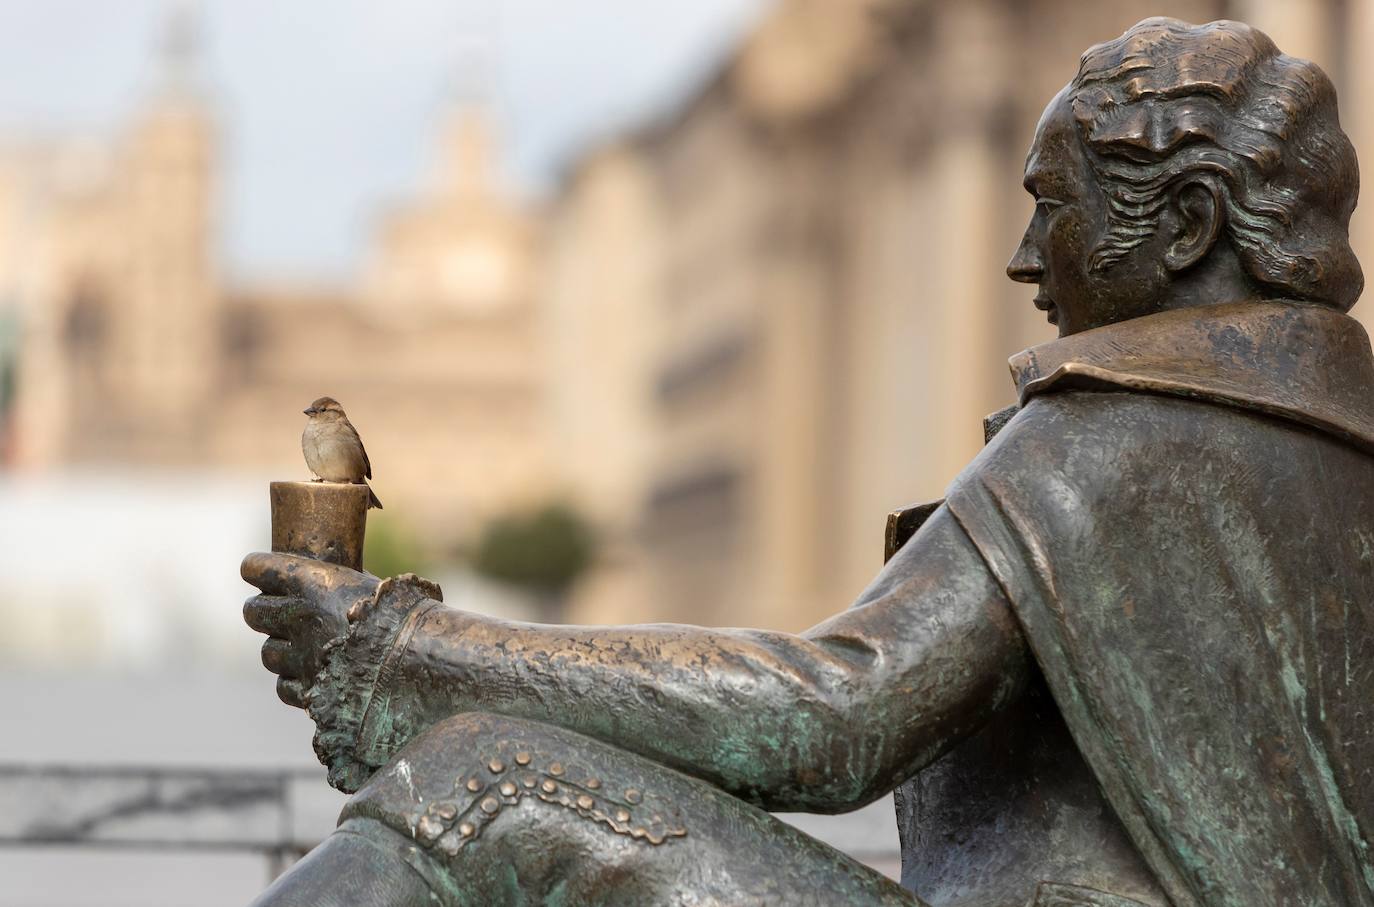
column 278, row 813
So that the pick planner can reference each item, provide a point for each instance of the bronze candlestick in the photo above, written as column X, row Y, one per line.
column 323, row 520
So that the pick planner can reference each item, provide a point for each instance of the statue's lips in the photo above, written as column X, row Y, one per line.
column 1046, row 305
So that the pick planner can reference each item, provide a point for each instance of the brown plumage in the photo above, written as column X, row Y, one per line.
column 332, row 448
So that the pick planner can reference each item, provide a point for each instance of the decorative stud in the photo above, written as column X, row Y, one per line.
column 434, row 826
column 428, row 828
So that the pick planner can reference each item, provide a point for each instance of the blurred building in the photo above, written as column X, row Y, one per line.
column 815, row 244
column 129, row 348
column 737, row 337
column 108, row 280
column 435, row 355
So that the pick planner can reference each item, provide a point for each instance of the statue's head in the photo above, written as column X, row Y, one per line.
column 1186, row 165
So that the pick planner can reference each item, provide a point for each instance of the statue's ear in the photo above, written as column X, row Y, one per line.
column 1194, row 218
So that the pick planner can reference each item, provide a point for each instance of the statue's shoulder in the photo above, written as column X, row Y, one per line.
column 1080, row 447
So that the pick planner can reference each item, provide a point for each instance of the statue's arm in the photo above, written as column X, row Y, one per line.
column 822, row 721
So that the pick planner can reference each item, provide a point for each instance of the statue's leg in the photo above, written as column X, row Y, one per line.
column 353, row 867
column 485, row 810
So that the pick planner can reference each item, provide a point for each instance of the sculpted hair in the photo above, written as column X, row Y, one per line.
column 1169, row 102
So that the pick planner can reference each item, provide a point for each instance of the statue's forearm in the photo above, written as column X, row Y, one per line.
column 757, row 713
column 824, row 720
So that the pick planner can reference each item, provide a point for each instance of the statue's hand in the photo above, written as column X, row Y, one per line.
column 304, row 606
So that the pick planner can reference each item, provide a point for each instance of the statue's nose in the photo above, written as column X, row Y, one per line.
column 1025, row 266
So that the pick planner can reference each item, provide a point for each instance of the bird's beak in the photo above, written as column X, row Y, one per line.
column 310, row 412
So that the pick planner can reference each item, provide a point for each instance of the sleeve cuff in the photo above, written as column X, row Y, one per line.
column 357, row 670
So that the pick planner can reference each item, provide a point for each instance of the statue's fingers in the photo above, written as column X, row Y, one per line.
column 291, row 692
column 268, row 571
column 281, row 658
column 274, row 615
column 290, row 574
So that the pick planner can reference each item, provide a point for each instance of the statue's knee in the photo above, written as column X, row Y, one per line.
column 362, row 864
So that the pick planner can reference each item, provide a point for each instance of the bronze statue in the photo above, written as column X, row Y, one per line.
column 1128, row 660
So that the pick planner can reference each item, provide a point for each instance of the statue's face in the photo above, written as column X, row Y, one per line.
column 1069, row 223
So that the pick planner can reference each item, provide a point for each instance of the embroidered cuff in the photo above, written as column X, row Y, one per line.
column 356, row 672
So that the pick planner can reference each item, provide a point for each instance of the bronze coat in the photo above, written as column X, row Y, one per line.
column 1182, row 515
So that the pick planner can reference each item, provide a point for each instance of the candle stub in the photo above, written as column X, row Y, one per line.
column 322, row 520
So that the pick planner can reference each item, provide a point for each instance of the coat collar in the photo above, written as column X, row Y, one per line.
column 1298, row 361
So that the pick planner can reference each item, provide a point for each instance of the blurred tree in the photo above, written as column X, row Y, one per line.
column 542, row 551
column 388, row 549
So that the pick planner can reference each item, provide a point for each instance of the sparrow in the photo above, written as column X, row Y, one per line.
column 332, row 448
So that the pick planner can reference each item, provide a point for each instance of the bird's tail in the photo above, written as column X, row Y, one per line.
column 373, row 502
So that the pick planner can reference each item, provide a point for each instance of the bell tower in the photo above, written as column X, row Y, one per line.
column 169, row 323
column 469, row 152
column 465, row 245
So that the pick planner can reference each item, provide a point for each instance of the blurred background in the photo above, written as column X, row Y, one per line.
column 645, row 312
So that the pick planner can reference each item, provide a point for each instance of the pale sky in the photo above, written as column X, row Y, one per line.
column 328, row 107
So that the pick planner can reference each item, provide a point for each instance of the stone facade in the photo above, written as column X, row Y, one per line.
column 436, row 356
column 128, row 348
column 829, row 316
column 110, row 285
column 736, row 337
